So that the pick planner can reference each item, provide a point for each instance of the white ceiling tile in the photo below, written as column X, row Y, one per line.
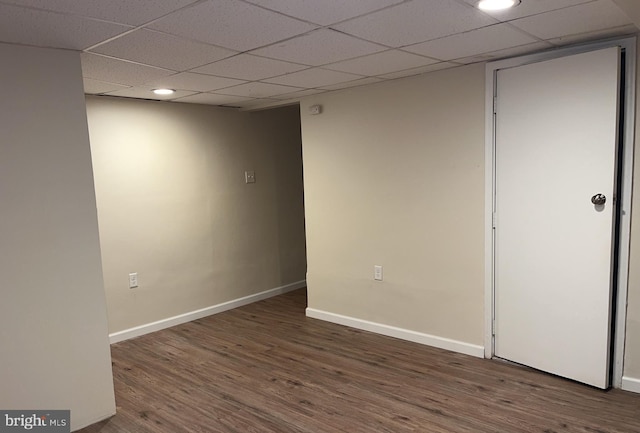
column 315, row 77
column 319, row 47
column 259, row 90
column 529, row 7
column 93, row 87
column 418, row 71
column 204, row 37
column 121, row 11
column 574, row 20
column 324, row 12
column 381, row 63
column 599, row 34
column 196, row 82
column 118, row 71
column 248, row 67
column 509, row 52
column 416, row 21
column 299, row 94
column 231, row 24
column 212, row 99
column 147, row 93
column 471, row 43
column 54, row 30
column 163, row 50
column 257, row 103
column 354, row 83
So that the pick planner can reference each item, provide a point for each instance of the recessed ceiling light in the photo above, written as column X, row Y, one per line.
column 164, row 91
column 497, row 5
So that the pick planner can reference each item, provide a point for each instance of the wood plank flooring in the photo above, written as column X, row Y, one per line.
column 266, row 367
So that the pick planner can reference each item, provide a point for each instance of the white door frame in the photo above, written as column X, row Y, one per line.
column 629, row 45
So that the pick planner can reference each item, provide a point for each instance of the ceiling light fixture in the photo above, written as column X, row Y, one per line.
column 164, row 91
column 497, row 5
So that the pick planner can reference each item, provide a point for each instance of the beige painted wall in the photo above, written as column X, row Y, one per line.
column 631, row 8
column 394, row 176
column 53, row 325
column 632, row 342
column 173, row 205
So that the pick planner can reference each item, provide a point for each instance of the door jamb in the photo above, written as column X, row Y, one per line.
column 629, row 45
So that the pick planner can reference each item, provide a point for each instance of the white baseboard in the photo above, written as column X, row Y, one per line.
column 403, row 334
column 631, row 384
column 204, row 312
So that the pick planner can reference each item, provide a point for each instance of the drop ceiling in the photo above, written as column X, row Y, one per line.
column 249, row 53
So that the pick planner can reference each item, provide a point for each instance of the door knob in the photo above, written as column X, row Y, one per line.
column 598, row 199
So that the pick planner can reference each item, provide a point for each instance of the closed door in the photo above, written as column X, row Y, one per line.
column 556, row 143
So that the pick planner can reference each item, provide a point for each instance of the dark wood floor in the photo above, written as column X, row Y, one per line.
column 267, row 368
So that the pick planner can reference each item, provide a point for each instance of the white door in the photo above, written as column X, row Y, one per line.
column 556, row 136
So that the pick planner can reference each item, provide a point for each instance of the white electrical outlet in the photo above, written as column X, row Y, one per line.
column 249, row 177
column 133, row 280
column 377, row 273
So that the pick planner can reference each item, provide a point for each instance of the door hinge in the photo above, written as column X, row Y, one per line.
column 495, row 104
column 493, row 220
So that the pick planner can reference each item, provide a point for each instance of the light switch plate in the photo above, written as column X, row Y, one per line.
column 133, row 280
column 377, row 272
